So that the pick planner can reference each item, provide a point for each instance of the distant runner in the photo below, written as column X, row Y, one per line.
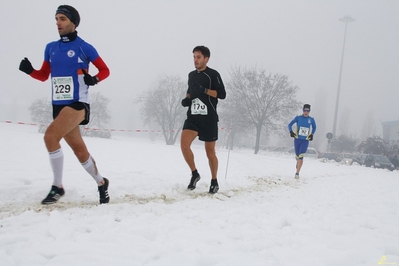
column 305, row 128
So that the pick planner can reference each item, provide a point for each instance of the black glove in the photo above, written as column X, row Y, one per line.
column 310, row 137
column 89, row 80
column 292, row 134
column 26, row 66
column 186, row 102
column 198, row 88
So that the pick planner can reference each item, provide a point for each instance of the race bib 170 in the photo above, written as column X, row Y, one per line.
column 198, row 107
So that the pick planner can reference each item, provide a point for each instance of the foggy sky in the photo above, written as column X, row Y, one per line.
column 142, row 41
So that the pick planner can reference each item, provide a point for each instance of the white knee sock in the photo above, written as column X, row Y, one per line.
column 91, row 168
column 57, row 164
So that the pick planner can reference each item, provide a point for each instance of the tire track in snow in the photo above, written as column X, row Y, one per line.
column 256, row 185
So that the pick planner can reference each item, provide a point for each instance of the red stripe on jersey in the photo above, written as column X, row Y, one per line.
column 43, row 73
column 103, row 70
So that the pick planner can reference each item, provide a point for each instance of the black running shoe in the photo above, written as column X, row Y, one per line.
column 214, row 186
column 193, row 182
column 54, row 195
column 103, row 190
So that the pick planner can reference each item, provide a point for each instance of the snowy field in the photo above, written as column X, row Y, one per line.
column 333, row 215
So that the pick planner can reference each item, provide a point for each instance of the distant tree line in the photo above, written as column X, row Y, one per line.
column 373, row 145
column 257, row 104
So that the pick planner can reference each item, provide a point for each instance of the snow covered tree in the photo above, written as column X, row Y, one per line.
column 374, row 145
column 162, row 107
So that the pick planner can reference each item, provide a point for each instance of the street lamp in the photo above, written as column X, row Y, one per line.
column 345, row 19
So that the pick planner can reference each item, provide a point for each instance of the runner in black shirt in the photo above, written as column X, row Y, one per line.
column 205, row 86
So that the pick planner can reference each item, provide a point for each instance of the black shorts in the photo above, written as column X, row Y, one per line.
column 207, row 129
column 77, row 106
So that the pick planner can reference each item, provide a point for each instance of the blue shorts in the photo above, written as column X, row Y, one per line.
column 300, row 146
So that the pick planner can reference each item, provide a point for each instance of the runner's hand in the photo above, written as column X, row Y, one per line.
column 292, row 134
column 186, row 102
column 310, row 137
column 26, row 66
column 198, row 88
column 89, row 80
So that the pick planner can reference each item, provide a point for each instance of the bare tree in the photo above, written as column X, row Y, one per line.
column 345, row 121
column 41, row 113
column 369, row 126
column 162, row 107
column 236, row 125
column 344, row 143
column 261, row 101
column 374, row 145
column 323, row 124
column 99, row 117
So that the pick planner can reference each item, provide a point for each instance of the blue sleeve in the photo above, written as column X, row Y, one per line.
column 89, row 51
column 292, row 122
column 47, row 51
column 313, row 126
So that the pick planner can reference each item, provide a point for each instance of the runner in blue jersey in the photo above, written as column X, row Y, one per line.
column 205, row 86
column 67, row 60
column 305, row 127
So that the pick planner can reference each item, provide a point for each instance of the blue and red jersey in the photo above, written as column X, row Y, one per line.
column 65, row 61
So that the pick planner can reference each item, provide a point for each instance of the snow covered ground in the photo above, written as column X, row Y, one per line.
column 333, row 215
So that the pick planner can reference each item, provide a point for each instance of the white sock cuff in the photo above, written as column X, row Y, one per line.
column 56, row 154
column 88, row 163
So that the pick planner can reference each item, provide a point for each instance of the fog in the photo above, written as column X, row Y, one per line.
column 142, row 41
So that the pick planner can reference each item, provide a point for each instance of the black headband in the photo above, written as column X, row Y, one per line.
column 66, row 12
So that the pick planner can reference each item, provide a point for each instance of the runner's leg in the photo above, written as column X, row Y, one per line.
column 187, row 138
column 212, row 158
column 65, row 122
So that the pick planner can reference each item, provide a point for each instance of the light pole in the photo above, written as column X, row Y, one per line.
column 345, row 19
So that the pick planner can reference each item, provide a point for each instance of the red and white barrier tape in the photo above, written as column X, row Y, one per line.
column 98, row 129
